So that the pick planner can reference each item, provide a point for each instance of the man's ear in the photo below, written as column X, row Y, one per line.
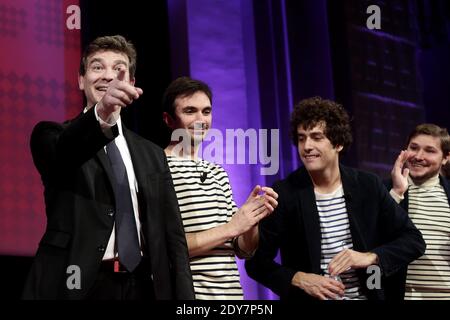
column 446, row 159
column 339, row 148
column 132, row 81
column 80, row 82
column 168, row 120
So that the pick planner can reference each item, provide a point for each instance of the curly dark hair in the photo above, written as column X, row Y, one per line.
column 115, row 43
column 312, row 111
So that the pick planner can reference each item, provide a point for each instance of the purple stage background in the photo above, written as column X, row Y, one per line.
column 38, row 80
column 222, row 53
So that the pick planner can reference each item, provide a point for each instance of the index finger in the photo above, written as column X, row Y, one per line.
column 270, row 192
column 254, row 193
column 403, row 157
column 335, row 260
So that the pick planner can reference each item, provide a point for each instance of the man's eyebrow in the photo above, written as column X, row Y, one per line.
column 102, row 61
column 120, row 62
column 96, row 60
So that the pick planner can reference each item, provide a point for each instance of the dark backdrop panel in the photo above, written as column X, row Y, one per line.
column 15, row 270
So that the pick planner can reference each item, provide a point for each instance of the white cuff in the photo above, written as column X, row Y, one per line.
column 105, row 126
column 395, row 196
column 103, row 123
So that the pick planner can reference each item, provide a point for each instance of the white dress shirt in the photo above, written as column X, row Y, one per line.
column 121, row 144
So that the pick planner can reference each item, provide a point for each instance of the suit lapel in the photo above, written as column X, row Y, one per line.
column 353, row 204
column 445, row 184
column 136, row 156
column 310, row 217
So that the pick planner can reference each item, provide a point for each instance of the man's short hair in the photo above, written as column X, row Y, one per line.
column 115, row 43
column 183, row 87
column 433, row 130
column 312, row 111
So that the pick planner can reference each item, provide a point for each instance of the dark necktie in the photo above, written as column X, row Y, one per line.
column 126, row 232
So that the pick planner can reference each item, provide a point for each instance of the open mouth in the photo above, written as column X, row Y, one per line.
column 311, row 156
column 101, row 88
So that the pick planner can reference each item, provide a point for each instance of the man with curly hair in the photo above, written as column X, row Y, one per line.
column 332, row 222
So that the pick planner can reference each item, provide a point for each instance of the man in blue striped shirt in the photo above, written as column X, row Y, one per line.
column 332, row 222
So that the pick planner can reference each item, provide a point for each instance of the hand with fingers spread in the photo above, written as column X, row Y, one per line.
column 350, row 259
column 318, row 286
column 399, row 173
column 119, row 94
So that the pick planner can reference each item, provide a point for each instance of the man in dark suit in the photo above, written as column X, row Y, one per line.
column 332, row 222
column 114, row 229
column 417, row 185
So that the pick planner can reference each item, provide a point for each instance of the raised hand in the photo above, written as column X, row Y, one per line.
column 399, row 174
column 254, row 209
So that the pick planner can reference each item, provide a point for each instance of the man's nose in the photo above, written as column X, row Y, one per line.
column 419, row 155
column 199, row 125
column 200, row 117
column 308, row 144
column 109, row 74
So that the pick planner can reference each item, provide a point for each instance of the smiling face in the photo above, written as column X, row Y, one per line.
column 192, row 113
column 427, row 158
column 315, row 149
column 101, row 68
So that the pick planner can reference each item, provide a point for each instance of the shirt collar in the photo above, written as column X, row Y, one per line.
column 433, row 181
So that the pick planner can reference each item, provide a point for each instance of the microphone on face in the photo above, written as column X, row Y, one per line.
column 203, row 176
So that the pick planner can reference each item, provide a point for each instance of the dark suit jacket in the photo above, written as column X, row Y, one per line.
column 398, row 280
column 79, row 201
column 377, row 224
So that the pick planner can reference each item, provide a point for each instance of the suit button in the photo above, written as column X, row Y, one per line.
column 101, row 248
column 110, row 212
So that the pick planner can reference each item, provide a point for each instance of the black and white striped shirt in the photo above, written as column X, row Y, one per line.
column 336, row 236
column 205, row 205
column 428, row 277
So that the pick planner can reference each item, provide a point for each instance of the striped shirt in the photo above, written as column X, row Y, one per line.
column 205, row 205
column 428, row 277
column 336, row 236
